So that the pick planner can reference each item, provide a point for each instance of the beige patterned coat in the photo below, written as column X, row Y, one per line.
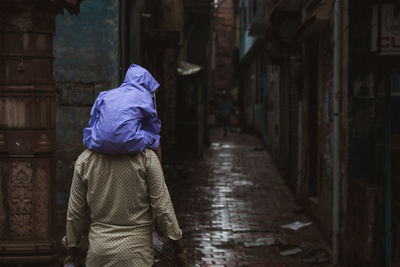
column 114, row 197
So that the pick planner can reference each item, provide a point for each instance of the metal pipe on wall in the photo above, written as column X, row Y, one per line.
column 388, row 178
column 337, row 79
column 299, row 182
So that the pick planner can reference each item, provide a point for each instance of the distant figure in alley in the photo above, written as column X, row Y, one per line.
column 226, row 112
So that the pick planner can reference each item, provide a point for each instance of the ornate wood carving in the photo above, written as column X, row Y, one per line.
column 44, row 142
column 27, row 17
column 20, row 200
column 22, row 112
column 2, row 142
column 42, row 200
column 27, row 129
column 3, row 216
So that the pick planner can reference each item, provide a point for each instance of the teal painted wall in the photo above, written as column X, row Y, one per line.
column 86, row 50
column 247, row 41
column 86, row 46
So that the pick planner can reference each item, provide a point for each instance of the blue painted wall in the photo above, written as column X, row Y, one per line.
column 247, row 41
column 256, row 113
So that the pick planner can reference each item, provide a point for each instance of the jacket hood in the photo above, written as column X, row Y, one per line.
column 139, row 75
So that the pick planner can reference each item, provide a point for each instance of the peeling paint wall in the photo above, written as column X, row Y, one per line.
column 86, row 45
column 86, row 50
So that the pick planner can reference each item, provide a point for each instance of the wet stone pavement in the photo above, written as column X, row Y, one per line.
column 231, row 206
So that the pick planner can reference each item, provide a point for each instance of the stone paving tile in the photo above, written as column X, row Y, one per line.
column 233, row 197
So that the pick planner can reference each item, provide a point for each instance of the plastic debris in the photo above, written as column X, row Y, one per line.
column 269, row 241
column 262, row 241
column 186, row 68
column 290, row 252
column 157, row 242
column 296, row 225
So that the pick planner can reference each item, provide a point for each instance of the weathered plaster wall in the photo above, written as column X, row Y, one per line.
column 86, row 49
column 86, row 45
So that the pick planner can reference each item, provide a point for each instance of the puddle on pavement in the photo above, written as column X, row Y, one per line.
column 243, row 183
column 229, row 146
column 224, row 155
column 226, row 163
column 223, row 189
column 216, row 145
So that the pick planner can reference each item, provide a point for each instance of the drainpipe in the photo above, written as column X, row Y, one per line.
column 299, row 183
column 337, row 78
column 388, row 179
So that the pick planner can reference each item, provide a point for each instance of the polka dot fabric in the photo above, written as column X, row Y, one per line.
column 117, row 195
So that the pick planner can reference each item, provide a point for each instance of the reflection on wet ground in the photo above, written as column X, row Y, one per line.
column 232, row 205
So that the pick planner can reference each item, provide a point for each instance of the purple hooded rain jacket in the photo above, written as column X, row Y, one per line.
column 124, row 119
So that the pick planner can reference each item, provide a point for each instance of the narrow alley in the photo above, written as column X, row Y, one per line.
column 232, row 205
column 309, row 91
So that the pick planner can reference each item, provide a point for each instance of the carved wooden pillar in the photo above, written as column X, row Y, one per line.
column 27, row 131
